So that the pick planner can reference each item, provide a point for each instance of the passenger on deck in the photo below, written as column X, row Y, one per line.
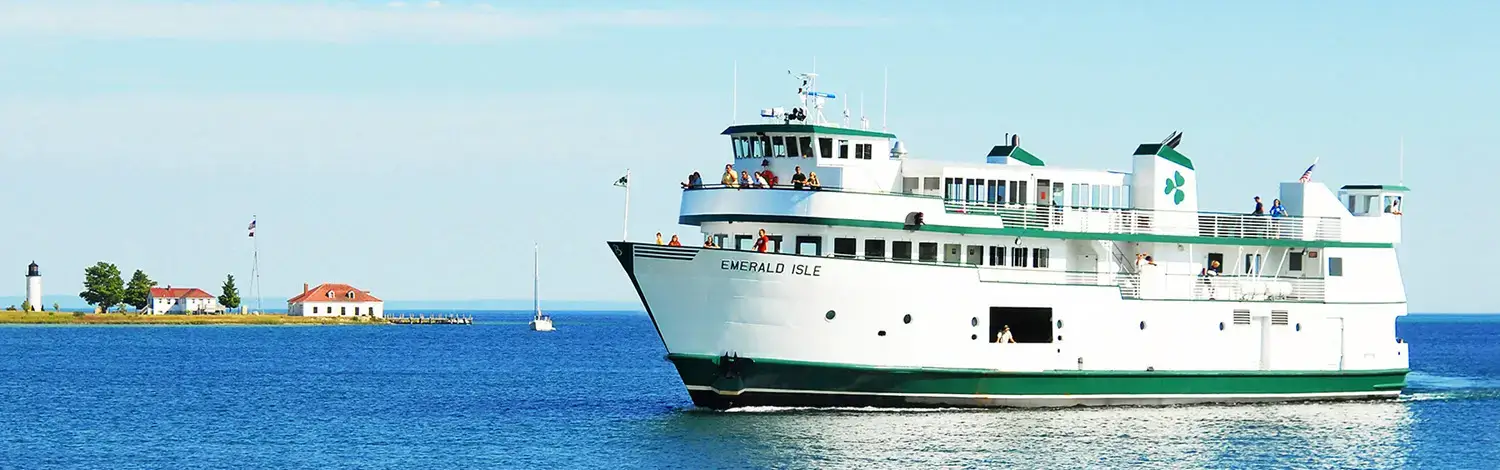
column 709, row 243
column 694, row 181
column 1259, row 208
column 760, row 181
column 729, row 179
column 1214, row 269
column 1004, row 336
column 1149, row 261
column 658, row 238
column 798, row 179
column 744, row 179
column 762, row 242
column 766, row 174
column 1395, row 207
column 812, row 180
column 674, row 241
column 1276, row 209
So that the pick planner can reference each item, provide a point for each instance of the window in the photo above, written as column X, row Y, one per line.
column 843, row 149
column 1335, row 267
column 975, row 255
column 810, row 245
column 825, row 147
column 1021, row 185
column 864, row 151
column 343, row 310
column 997, row 256
column 356, row 311
column 909, row 185
column 1027, row 324
column 806, row 144
column 778, row 146
column 315, row 309
column 1295, row 262
column 738, row 143
column 927, row 252
column 775, row 244
column 1018, row 257
column 720, row 240
column 874, row 249
column 330, row 294
column 901, row 251
column 1041, row 257
column 990, row 189
column 744, row 242
column 843, row 247
column 859, row 151
column 791, row 147
column 930, row 182
column 1252, row 264
column 952, row 253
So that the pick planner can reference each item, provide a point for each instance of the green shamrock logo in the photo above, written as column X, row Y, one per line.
column 1174, row 187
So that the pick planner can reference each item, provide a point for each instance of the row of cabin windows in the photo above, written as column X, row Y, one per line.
column 1253, row 263
column 791, row 146
column 926, row 252
column 1048, row 192
column 343, row 310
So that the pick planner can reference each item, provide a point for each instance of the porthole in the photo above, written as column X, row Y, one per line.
column 880, row 333
column 829, row 315
column 1299, row 327
column 1059, row 337
column 906, row 319
column 1221, row 326
column 1143, row 325
column 974, row 321
column 1059, row 324
column 974, row 337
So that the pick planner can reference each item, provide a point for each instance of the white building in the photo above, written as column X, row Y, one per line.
column 335, row 300
column 34, row 287
column 180, row 300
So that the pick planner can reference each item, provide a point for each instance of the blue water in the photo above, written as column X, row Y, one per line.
column 599, row 394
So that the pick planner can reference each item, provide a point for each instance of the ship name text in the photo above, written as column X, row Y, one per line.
column 771, row 268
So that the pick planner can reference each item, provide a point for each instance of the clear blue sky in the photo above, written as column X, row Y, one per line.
column 418, row 149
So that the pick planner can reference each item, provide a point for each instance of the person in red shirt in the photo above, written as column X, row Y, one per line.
column 674, row 241
column 763, row 242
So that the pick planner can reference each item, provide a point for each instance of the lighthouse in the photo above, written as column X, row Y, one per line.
column 34, row 286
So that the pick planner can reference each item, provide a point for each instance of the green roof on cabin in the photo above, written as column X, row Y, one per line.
column 803, row 129
column 1015, row 152
column 1379, row 187
column 1165, row 152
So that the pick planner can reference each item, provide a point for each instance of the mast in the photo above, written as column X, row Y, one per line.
column 536, row 269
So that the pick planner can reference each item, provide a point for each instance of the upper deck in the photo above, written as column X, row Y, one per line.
column 874, row 209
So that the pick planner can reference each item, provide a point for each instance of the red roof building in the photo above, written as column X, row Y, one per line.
column 335, row 300
column 164, row 300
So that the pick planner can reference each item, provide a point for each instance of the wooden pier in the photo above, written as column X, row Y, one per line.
column 434, row 319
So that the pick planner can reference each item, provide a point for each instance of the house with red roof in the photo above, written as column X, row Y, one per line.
column 335, row 300
column 181, row 300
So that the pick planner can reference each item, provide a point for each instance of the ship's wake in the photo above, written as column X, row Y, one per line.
column 1424, row 387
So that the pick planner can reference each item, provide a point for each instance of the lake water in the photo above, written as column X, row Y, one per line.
column 598, row 393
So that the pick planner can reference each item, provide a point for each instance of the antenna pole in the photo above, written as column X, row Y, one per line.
column 255, row 270
column 885, row 98
column 1401, row 163
column 734, row 115
column 626, row 226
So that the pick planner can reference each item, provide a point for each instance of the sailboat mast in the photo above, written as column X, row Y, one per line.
column 536, row 303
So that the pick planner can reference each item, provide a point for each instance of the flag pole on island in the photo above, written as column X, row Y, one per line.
column 255, row 268
column 624, row 182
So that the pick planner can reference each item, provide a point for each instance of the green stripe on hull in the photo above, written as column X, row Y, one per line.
column 789, row 378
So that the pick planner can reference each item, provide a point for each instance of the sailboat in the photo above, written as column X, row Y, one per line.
column 539, row 321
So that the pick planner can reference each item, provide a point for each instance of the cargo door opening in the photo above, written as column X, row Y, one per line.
column 1027, row 324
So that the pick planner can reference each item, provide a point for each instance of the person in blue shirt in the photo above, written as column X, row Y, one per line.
column 1277, row 210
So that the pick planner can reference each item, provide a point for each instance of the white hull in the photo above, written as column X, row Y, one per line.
column 542, row 324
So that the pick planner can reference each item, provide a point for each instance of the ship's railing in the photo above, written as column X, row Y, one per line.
column 1046, row 276
column 1155, row 222
column 1198, row 287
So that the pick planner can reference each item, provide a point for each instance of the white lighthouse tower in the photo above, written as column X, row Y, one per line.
column 34, row 287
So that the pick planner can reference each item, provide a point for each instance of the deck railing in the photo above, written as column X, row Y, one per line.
column 1198, row 287
column 1155, row 222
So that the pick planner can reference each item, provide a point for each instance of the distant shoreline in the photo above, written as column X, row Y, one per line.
column 78, row 318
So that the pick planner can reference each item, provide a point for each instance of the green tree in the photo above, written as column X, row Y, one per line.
column 231, row 297
column 138, row 291
column 102, row 285
column 25, row 305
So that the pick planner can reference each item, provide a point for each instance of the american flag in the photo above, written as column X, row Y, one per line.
column 252, row 227
column 1307, row 175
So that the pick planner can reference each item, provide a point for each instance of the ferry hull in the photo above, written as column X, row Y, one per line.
column 848, row 335
column 729, row 382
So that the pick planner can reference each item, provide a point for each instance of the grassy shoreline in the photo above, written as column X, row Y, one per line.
column 71, row 318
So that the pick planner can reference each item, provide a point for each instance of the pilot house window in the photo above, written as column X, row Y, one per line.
column 927, row 252
column 901, row 251
column 825, row 147
column 843, row 247
column 874, row 249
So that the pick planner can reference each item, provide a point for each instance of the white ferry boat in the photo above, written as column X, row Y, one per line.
column 1010, row 282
